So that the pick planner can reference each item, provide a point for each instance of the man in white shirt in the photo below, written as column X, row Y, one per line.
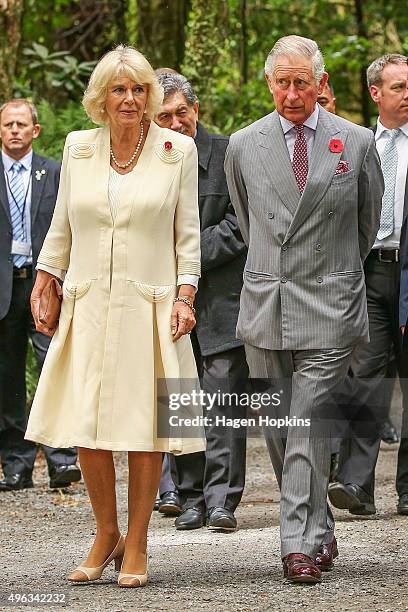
column 28, row 190
column 387, row 80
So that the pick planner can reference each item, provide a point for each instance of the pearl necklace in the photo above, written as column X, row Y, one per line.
column 127, row 164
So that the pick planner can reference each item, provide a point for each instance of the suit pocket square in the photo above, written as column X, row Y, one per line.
column 343, row 166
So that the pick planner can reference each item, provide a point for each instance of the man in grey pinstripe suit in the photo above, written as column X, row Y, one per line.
column 306, row 186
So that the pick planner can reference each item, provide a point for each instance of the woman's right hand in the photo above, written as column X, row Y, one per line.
column 41, row 280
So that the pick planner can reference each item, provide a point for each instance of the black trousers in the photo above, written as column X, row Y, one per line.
column 368, row 388
column 17, row 454
column 216, row 477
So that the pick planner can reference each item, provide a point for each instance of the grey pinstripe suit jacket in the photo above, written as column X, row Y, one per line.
column 303, row 281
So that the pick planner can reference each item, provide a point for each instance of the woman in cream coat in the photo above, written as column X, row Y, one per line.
column 126, row 232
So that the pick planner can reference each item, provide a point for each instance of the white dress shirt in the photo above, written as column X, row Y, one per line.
column 381, row 139
column 25, row 173
column 290, row 132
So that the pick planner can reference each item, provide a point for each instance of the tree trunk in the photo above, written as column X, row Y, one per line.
column 364, row 96
column 160, row 34
column 10, row 34
column 203, row 44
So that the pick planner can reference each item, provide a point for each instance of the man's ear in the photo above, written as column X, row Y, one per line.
column 196, row 107
column 322, row 83
column 375, row 93
column 36, row 130
column 269, row 81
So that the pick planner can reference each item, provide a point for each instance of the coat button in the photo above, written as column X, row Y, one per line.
column 330, row 214
column 284, row 279
column 271, row 215
column 10, row 258
column 318, row 247
column 284, row 247
column 319, row 279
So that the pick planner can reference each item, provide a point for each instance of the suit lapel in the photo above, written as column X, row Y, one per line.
column 37, row 186
column 276, row 161
column 3, row 192
column 323, row 164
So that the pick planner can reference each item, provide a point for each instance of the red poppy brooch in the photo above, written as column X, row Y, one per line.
column 336, row 146
column 168, row 153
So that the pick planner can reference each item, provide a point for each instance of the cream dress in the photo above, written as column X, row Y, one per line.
column 124, row 240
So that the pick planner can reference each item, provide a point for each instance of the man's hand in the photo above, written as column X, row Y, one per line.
column 41, row 280
column 402, row 328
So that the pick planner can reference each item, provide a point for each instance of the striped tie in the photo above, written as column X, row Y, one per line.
column 16, row 209
column 389, row 164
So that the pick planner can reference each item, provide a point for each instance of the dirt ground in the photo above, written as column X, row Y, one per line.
column 44, row 535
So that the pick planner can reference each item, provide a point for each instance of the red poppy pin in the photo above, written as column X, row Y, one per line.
column 168, row 145
column 336, row 146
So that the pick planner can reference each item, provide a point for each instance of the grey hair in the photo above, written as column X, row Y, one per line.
column 375, row 69
column 16, row 102
column 173, row 82
column 300, row 46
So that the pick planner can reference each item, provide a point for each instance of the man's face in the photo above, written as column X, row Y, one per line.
column 17, row 130
column 294, row 88
column 175, row 113
column 327, row 100
column 392, row 96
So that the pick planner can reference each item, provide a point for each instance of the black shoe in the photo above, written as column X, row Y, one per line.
column 16, row 482
column 170, row 504
column 221, row 519
column 351, row 497
column 191, row 518
column 156, row 504
column 388, row 433
column 402, row 507
column 63, row 475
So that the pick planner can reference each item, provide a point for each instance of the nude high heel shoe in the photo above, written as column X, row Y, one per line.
column 94, row 573
column 132, row 581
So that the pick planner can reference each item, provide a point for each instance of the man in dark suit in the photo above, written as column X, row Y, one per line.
column 388, row 84
column 210, row 484
column 28, row 190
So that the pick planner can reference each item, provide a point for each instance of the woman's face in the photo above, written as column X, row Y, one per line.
column 125, row 102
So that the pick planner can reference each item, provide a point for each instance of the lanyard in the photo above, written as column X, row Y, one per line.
column 22, row 211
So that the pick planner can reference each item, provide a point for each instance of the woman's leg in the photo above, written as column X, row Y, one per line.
column 144, row 478
column 99, row 474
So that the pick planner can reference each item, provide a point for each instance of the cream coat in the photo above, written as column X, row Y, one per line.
column 98, row 385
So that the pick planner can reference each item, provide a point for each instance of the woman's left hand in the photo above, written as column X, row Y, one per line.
column 182, row 320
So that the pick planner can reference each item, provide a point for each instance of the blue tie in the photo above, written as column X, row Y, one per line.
column 17, row 202
column 389, row 165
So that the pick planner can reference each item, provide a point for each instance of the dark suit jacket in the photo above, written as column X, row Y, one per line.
column 43, row 197
column 223, row 252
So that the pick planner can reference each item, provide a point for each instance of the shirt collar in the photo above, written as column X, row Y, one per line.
column 26, row 161
column 381, row 129
column 311, row 121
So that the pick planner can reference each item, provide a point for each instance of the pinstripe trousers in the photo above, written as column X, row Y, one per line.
column 301, row 455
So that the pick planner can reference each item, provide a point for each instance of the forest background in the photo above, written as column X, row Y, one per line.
column 48, row 50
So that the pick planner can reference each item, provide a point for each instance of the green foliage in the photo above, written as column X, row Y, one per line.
column 56, row 124
column 31, row 374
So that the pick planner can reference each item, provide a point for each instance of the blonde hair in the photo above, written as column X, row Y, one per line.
column 122, row 61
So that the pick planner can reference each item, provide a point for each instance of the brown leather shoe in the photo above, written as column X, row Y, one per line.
column 298, row 567
column 326, row 555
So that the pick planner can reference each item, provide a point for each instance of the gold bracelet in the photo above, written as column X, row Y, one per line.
column 185, row 300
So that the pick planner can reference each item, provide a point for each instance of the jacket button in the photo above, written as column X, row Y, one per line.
column 318, row 247
column 330, row 214
column 10, row 258
column 284, row 279
column 271, row 215
column 284, row 247
column 319, row 279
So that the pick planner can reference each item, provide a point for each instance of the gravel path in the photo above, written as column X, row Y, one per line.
column 44, row 535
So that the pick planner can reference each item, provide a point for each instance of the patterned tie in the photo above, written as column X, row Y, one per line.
column 389, row 164
column 16, row 209
column 300, row 162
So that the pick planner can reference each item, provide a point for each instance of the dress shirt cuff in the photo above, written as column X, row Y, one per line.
column 188, row 279
column 51, row 270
